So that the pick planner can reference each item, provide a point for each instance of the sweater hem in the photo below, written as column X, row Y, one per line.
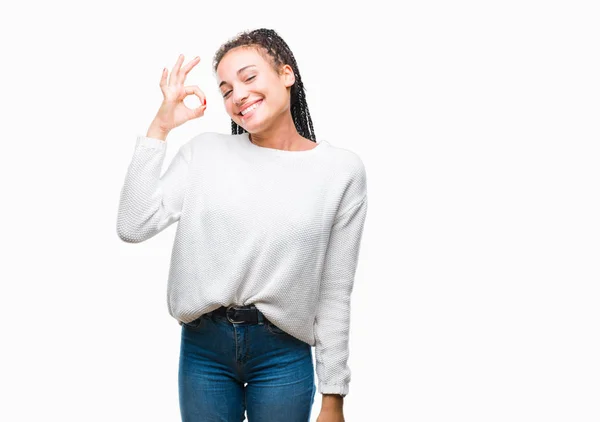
column 152, row 143
column 341, row 389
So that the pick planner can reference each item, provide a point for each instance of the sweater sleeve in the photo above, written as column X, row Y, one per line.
column 332, row 322
column 148, row 202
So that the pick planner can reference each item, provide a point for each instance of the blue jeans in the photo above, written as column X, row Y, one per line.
column 218, row 357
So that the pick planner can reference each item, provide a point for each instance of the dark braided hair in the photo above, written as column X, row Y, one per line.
column 275, row 51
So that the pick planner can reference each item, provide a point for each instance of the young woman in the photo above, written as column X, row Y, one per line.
column 267, row 244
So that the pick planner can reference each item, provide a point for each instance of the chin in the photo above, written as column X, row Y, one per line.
column 252, row 127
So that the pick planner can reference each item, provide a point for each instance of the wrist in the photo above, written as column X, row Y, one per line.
column 156, row 130
column 332, row 401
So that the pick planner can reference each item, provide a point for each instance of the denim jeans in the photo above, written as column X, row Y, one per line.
column 217, row 359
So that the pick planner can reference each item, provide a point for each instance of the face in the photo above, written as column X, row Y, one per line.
column 246, row 79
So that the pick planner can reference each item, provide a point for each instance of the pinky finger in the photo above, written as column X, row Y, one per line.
column 163, row 78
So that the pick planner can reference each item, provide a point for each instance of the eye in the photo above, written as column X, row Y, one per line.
column 247, row 80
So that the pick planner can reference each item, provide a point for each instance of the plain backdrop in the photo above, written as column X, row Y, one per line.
column 477, row 290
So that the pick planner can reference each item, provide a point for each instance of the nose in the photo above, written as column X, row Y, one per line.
column 239, row 96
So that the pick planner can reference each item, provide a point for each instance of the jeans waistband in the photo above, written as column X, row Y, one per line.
column 238, row 314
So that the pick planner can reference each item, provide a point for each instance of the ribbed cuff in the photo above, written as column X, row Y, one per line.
column 341, row 389
column 153, row 143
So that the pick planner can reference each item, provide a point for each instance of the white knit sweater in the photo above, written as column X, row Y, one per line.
column 278, row 229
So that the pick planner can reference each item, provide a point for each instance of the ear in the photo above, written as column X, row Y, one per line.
column 287, row 73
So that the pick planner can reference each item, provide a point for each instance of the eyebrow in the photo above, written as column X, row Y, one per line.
column 238, row 72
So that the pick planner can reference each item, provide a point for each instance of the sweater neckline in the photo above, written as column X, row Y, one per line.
column 277, row 151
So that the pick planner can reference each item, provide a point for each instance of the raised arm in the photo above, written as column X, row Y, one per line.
column 148, row 202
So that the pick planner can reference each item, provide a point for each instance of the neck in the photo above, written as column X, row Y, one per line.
column 282, row 135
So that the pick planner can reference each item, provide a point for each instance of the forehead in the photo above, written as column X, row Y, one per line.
column 236, row 59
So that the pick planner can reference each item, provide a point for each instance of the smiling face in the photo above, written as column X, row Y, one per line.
column 256, row 97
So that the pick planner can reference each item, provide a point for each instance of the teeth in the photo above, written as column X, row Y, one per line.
column 252, row 107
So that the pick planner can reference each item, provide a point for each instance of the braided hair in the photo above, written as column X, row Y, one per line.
column 276, row 52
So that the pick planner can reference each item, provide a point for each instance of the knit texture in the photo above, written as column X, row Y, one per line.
column 256, row 225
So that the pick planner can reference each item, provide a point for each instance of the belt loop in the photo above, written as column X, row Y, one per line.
column 261, row 319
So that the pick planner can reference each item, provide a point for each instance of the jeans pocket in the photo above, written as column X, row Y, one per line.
column 274, row 328
column 195, row 325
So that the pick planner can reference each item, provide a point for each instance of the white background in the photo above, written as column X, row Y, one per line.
column 476, row 296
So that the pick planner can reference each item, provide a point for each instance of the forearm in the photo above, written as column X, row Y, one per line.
column 156, row 131
column 332, row 401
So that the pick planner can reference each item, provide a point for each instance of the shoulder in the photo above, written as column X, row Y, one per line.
column 347, row 171
column 347, row 162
